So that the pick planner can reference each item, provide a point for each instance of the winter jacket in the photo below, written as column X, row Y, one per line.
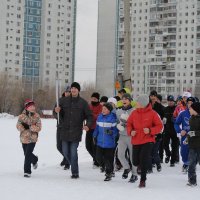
column 159, row 108
column 29, row 125
column 96, row 110
column 106, row 132
column 168, row 114
column 126, row 111
column 179, row 108
column 194, row 142
column 182, row 119
column 74, row 110
column 144, row 118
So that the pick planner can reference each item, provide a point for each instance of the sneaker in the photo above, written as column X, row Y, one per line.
column 167, row 159
column 125, row 174
column 66, row 167
column 142, row 184
column 27, row 175
column 108, row 177
column 35, row 166
column 185, row 169
column 74, row 176
column 191, row 184
column 133, row 179
column 159, row 168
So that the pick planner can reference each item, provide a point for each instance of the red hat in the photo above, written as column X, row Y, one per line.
column 28, row 103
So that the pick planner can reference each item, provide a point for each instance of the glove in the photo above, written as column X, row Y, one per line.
column 26, row 126
column 164, row 120
column 124, row 118
column 120, row 127
column 108, row 131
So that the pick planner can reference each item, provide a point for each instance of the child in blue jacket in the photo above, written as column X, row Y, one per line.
column 104, row 136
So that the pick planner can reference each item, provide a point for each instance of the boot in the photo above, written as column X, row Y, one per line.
column 125, row 174
column 142, row 184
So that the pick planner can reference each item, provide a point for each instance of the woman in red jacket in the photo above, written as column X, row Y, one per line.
column 142, row 125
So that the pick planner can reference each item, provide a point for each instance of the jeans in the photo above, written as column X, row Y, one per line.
column 70, row 151
column 30, row 158
column 194, row 157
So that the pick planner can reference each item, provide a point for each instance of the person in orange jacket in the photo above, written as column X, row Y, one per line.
column 142, row 125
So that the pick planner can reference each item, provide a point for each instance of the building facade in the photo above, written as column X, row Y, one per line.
column 37, row 39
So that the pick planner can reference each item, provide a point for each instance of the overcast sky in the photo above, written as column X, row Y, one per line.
column 86, row 40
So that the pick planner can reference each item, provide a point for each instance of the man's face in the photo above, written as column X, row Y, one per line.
column 74, row 92
column 171, row 103
column 105, row 111
column 189, row 103
column 94, row 99
column 153, row 98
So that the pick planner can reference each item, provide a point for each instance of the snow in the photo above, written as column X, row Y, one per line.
column 51, row 182
column 6, row 115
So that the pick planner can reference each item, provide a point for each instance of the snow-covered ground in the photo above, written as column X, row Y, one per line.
column 51, row 182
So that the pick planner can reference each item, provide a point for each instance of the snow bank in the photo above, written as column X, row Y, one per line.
column 6, row 116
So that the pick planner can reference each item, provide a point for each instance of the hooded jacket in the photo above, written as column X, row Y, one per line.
column 144, row 118
column 106, row 131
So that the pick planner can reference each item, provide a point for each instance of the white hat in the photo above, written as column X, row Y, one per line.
column 186, row 94
column 112, row 100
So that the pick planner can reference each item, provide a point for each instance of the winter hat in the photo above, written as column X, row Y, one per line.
column 196, row 107
column 76, row 85
column 143, row 100
column 28, row 103
column 127, row 96
column 159, row 97
column 112, row 100
column 104, row 99
column 179, row 98
column 108, row 106
column 191, row 99
column 153, row 93
column 186, row 94
column 96, row 95
column 170, row 98
column 68, row 89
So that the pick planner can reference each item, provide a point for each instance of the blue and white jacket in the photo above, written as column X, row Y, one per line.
column 183, row 120
column 106, row 131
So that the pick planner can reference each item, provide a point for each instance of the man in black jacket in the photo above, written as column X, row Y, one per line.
column 73, row 110
column 169, row 132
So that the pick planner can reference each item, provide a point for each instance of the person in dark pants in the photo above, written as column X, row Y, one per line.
column 73, row 110
column 105, row 135
column 142, row 125
column 194, row 143
column 96, row 109
column 64, row 162
column 29, row 125
column 170, row 133
column 158, row 107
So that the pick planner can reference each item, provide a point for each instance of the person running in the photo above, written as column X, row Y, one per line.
column 142, row 125
column 104, row 136
column 29, row 125
column 124, row 142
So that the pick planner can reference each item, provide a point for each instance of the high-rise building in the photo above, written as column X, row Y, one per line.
column 37, row 40
column 165, row 43
column 106, row 46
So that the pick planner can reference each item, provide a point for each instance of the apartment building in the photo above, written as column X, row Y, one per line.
column 37, row 39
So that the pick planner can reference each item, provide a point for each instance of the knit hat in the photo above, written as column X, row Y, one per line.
column 96, row 95
column 68, row 89
column 143, row 100
column 76, row 85
column 170, row 98
column 196, row 107
column 186, row 94
column 108, row 106
column 127, row 96
column 153, row 93
column 191, row 99
column 112, row 100
column 104, row 99
column 28, row 103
